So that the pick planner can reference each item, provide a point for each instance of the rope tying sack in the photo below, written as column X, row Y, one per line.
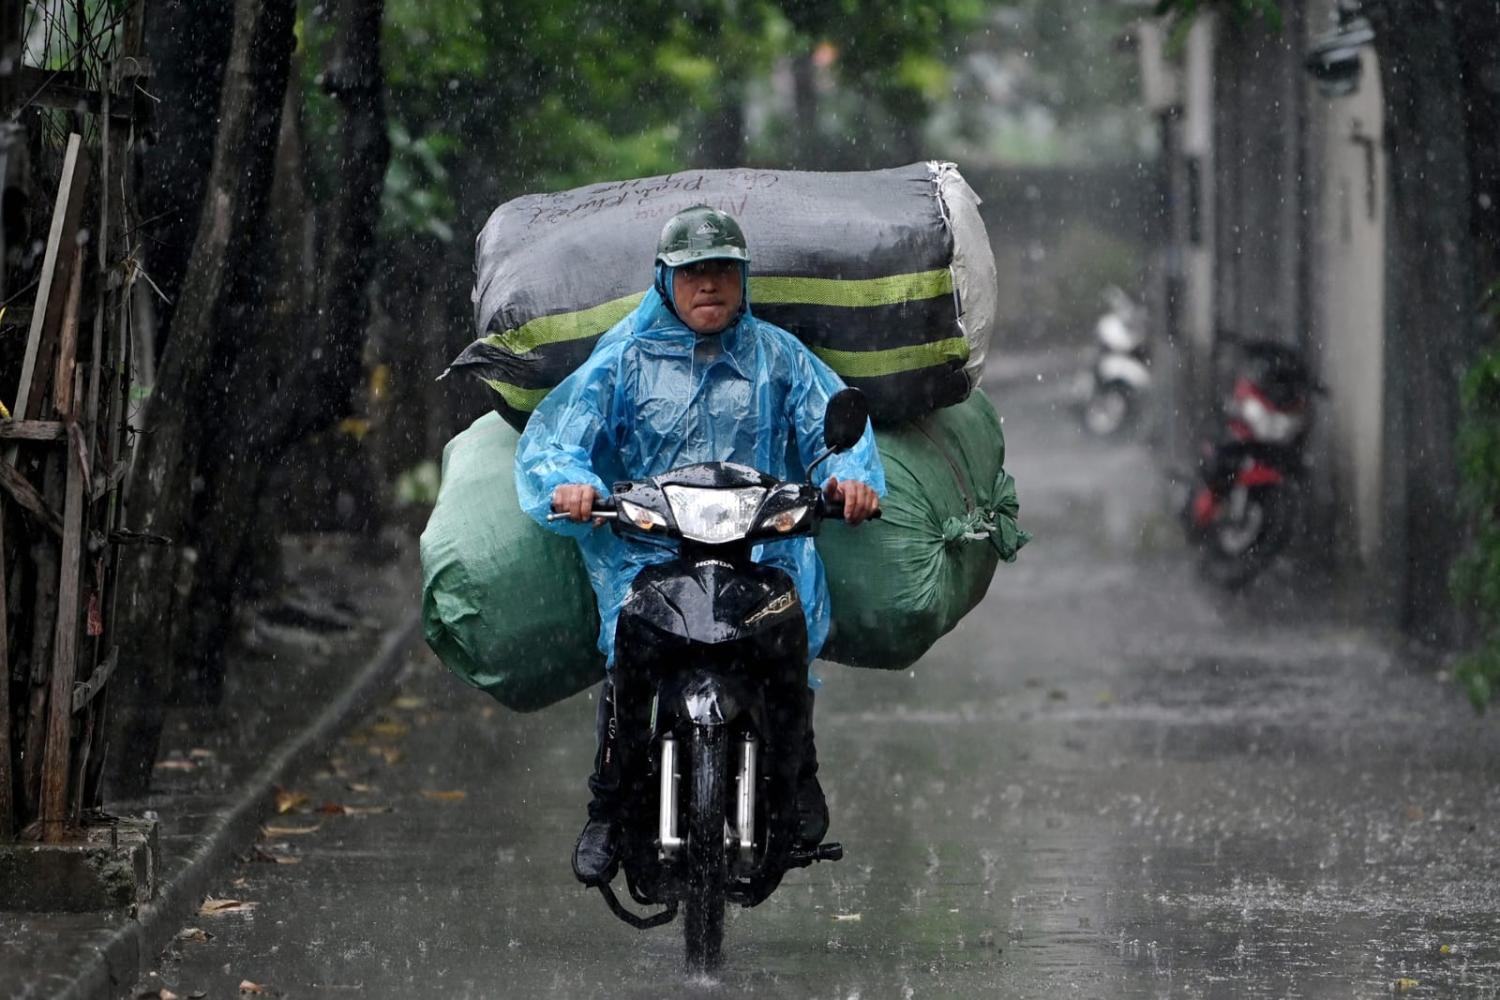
column 995, row 523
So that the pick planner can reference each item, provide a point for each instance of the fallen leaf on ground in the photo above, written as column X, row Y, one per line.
column 276, row 830
column 286, row 800
column 175, row 764
column 272, row 857
column 408, row 703
column 389, row 729
column 216, row 907
column 241, row 883
column 339, row 809
column 390, row 754
column 1446, row 949
column 1402, row 985
column 457, row 795
column 848, row 918
column 247, row 987
column 194, row 934
column 360, row 787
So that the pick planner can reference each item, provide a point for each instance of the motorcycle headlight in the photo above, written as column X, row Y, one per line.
column 643, row 518
column 714, row 516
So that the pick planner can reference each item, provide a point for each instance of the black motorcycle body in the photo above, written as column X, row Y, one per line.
column 711, row 659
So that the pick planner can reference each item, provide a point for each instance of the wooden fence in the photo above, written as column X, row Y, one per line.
column 65, row 440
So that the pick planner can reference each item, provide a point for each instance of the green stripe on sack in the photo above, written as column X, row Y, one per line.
column 524, row 400
column 874, row 364
column 852, row 293
column 564, row 326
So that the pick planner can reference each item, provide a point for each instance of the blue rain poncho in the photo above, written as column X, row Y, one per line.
column 655, row 396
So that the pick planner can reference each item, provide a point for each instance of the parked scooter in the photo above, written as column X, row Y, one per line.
column 1115, row 387
column 1245, row 503
column 711, row 648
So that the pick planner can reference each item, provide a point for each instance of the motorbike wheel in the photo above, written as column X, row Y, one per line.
column 707, row 875
column 1110, row 410
column 1238, row 551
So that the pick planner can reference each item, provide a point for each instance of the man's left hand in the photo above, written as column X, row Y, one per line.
column 859, row 500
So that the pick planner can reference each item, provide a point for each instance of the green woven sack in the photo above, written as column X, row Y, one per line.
column 899, row 584
column 506, row 604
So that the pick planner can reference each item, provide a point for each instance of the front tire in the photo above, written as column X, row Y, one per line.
column 1110, row 411
column 1237, row 551
column 707, row 876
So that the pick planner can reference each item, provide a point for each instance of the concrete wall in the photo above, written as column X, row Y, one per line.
column 1349, row 283
column 1281, row 235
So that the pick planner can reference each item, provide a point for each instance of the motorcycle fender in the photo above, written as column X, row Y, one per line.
column 1124, row 368
column 1204, row 506
column 1259, row 474
column 714, row 700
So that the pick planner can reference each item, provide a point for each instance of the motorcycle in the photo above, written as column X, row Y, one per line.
column 1113, row 389
column 714, row 646
column 1243, row 509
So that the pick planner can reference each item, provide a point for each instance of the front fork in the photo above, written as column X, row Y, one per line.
column 741, row 837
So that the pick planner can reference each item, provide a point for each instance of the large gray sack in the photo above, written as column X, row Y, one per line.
column 886, row 274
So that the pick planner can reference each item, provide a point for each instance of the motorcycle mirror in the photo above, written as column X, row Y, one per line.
column 844, row 420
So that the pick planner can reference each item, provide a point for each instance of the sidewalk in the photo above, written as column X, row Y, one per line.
column 307, row 665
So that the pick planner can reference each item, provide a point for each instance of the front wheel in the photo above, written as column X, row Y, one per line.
column 1247, row 535
column 707, row 876
column 1110, row 410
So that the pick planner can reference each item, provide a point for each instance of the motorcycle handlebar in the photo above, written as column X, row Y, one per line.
column 835, row 512
column 604, row 509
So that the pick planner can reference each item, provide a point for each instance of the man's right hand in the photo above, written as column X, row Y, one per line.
column 575, row 500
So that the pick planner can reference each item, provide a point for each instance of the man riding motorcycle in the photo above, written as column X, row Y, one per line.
column 689, row 376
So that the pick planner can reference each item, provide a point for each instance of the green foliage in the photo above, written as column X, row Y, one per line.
column 1476, row 577
column 417, row 199
column 1183, row 13
column 418, row 486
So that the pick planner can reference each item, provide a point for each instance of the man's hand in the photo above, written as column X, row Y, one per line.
column 859, row 500
column 576, row 501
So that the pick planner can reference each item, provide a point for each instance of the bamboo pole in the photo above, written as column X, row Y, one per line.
column 7, row 752
column 55, row 763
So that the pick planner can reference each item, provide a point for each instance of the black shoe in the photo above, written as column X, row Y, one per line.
column 812, row 811
column 596, row 857
column 812, row 808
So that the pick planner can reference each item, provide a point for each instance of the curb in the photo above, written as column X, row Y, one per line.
column 137, row 942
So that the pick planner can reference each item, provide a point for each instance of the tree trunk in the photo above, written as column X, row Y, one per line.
column 724, row 130
column 159, row 497
column 188, row 44
column 1478, row 25
column 322, row 386
column 1431, row 299
column 291, row 384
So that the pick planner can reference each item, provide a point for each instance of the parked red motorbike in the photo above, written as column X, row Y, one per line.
column 1244, row 505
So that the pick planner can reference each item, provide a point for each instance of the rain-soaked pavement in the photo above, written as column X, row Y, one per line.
column 1106, row 783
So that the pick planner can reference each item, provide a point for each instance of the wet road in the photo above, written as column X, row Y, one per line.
column 1106, row 783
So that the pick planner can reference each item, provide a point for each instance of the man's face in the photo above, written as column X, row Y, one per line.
column 708, row 294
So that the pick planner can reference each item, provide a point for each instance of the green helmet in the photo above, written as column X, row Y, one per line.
column 701, row 233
